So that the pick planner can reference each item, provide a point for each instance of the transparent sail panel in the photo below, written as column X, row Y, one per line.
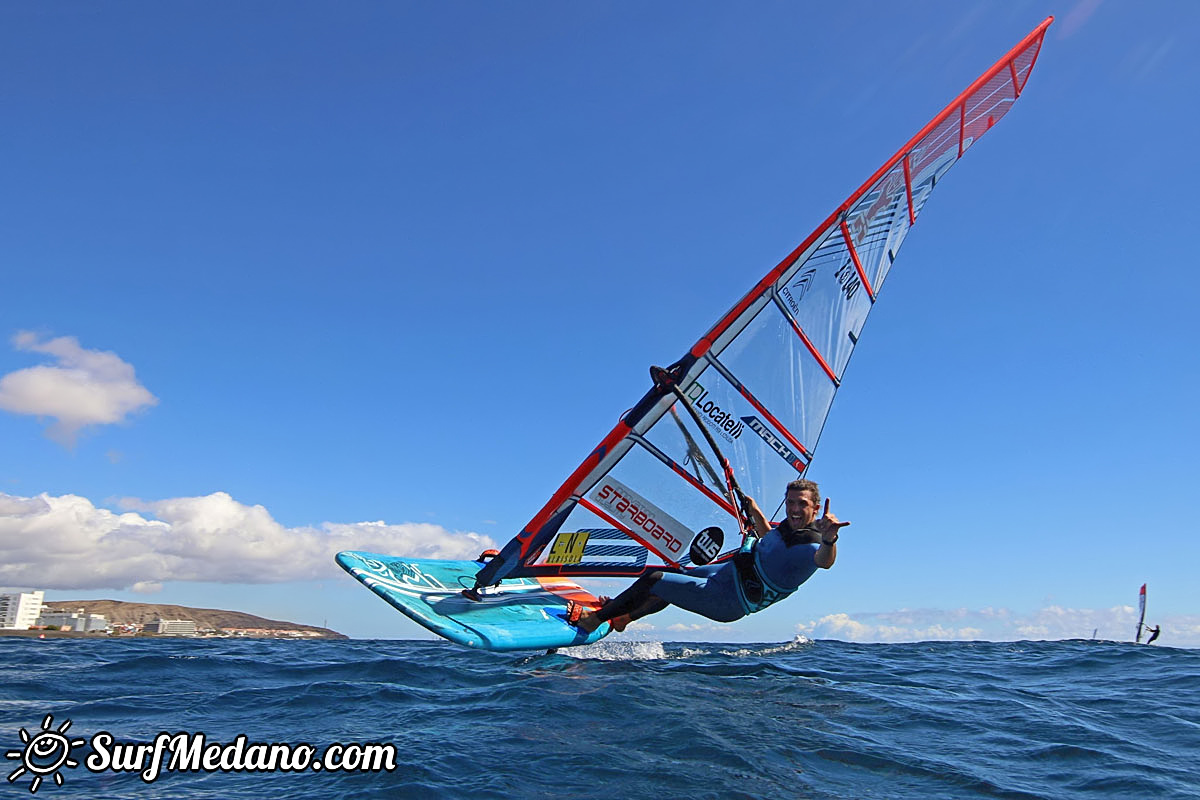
column 676, row 438
column 658, row 507
column 792, row 391
column 827, row 300
column 762, row 459
column 761, row 455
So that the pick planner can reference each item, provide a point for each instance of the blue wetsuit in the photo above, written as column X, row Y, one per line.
column 715, row 590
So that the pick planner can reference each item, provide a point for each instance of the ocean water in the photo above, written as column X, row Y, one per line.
column 1072, row 719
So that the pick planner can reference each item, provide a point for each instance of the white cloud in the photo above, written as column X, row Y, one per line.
column 83, row 387
column 997, row 624
column 902, row 626
column 702, row 631
column 66, row 542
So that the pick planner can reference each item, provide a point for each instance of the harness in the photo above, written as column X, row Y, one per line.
column 755, row 591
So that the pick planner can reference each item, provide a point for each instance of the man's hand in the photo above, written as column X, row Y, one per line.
column 828, row 525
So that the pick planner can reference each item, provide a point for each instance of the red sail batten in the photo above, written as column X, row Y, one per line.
column 962, row 127
column 858, row 267
column 912, row 216
column 812, row 349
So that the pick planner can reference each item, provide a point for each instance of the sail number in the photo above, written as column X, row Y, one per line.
column 847, row 278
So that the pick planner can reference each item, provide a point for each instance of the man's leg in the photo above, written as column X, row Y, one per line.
column 652, row 605
column 635, row 602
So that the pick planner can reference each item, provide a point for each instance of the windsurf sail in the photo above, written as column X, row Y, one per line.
column 761, row 380
column 1141, row 613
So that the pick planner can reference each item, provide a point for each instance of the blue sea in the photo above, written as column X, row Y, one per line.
column 825, row 719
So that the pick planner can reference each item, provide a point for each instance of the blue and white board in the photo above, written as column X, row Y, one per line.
column 519, row 614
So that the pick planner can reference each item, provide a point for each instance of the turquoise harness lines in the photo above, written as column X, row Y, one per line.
column 790, row 566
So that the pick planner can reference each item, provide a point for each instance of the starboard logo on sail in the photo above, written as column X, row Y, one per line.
column 642, row 517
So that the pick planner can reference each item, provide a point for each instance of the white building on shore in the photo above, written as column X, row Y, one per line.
column 171, row 627
column 74, row 621
column 19, row 611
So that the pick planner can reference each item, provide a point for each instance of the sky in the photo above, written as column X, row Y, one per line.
column 282, row 279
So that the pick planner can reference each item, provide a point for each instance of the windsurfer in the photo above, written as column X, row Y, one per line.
column 770, row 566
column 1153, row 633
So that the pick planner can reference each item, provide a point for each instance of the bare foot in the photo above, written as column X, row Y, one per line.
column 582, row 617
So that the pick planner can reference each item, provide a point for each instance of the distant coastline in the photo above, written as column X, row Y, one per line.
column 127, row 619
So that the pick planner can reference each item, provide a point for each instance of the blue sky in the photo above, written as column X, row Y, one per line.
column 311, row 275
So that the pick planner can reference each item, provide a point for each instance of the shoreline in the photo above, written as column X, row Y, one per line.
column 36, row 634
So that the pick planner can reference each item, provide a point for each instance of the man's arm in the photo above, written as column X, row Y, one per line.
column 825, row 556
column 760, row 525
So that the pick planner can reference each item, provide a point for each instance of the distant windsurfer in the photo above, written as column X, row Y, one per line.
column 771, row 565
column 1153, row 633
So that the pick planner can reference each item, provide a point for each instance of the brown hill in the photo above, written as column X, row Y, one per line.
column 118, row 612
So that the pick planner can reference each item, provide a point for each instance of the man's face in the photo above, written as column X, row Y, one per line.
column 801, row 508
